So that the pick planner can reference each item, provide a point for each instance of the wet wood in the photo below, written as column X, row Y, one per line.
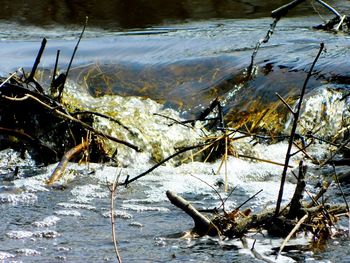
column 283, row 10
column 203, row 225
column 62, row 165
column 295, row 204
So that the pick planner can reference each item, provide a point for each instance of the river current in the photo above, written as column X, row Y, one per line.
column 173, row 68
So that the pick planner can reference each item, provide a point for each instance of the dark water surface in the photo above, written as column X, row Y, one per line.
column 111, row 14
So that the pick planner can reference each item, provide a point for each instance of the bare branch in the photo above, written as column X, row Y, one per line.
column 293, row 132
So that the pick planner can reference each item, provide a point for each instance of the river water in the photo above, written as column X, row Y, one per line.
column 137, row 59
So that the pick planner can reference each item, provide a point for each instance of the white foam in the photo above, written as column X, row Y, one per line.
column 142, row 208
column 18, row 198
column 324, row 112
column 46, row 222
column 19, row 234
column 148, row 131
column 5, row 255
column 86, row 193
column 118, row 214
column 28, row 252
column 67, row 213
column 77, row 206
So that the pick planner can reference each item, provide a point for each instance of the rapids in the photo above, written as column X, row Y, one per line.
column 172, row 69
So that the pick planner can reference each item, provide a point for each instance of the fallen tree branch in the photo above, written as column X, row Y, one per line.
column 238, row 224
column 203, row 226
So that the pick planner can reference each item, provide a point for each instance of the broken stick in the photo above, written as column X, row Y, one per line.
column 203, row 226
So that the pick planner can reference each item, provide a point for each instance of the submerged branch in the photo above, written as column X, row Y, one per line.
column 203, row 225
column 62, row 165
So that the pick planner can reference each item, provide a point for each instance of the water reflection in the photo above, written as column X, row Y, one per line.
column 137, row 13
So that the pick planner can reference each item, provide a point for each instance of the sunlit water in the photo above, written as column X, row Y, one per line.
column 181, row 65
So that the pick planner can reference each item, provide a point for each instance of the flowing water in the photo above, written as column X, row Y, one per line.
column 172, row 63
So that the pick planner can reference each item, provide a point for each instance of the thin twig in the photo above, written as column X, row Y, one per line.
column 175, row 121
column 322, row 191
column 104, row 116
column 283, row 10
column 254, row 135
column 35, row 66
column 246, row 201
column 337, row 28
column 263, row 160
column 332, row 9
column 71, row 60
column 309, row 135
column 225, row 160
column 340, row 188
column 114, row 238
column 128, row 181
column 293, row 132
column 343, row 145
column 296, row 227
column 6, row 80
column 260, row 42
column 257, row 255
column 285, row 103
column 217, row 193
column 54, row 73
